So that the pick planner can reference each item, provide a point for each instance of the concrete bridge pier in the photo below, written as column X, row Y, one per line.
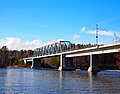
column 25, row 61
column 94, row 64
column 28, row 61
column 66, row 63
column 36, row 63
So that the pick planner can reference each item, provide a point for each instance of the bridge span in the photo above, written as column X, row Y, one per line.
column 63, row 49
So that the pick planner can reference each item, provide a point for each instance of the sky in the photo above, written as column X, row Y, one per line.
column 27, row 24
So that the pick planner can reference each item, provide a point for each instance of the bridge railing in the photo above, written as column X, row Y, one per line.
column 53, row 48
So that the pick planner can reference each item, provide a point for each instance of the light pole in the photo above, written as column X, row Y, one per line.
column 97, row 34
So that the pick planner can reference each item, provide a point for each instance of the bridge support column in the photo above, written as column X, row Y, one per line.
column 36, row 64
column 93, row 64
column 61, row 62
column 25, row 61
column 66, row 63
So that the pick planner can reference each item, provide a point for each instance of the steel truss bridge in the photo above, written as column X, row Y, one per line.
column 53, row 48
column 63, row 49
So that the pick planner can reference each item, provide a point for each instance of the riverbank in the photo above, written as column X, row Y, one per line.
column 17, row 66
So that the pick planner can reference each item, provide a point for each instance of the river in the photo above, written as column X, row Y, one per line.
column 30, row 81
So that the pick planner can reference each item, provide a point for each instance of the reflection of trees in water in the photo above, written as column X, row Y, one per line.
column 104, row 82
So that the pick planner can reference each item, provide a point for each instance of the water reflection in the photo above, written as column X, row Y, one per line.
column 91, row 83
column 60, row 79
column 105, row 82
column 91, row 74
column 28, row 81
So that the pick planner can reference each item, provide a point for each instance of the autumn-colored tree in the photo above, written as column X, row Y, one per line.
column 117, row 56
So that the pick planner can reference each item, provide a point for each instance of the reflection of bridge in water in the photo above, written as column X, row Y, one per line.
column 63, row 49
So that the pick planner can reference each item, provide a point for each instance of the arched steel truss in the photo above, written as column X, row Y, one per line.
column 53, row 48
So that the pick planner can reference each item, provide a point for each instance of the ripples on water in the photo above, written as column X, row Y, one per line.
column 29, row 81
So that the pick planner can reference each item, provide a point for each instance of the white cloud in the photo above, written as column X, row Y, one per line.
column 106, row 33
column 76, row 37
column 14, row 43
column 101, row 32
column 57, row 40
column 83, row 29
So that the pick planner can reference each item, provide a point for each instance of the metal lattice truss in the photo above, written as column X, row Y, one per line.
column 53, row 48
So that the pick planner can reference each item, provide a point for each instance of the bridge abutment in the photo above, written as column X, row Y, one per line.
column 66, row 63
column 36, row 63
column 94, row 61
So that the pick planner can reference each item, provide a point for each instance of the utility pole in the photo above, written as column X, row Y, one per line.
column 97, row 34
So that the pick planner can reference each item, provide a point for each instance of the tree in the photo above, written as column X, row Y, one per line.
column 4, row 48
column 4, row 56
column 116, row 38
column 30, row 53
column 117, row 56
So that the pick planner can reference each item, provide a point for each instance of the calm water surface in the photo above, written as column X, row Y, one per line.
column 29, row 81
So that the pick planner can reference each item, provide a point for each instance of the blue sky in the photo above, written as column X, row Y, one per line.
column 48, row 20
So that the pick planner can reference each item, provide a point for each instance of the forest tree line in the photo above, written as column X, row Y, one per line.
column 14, row 58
